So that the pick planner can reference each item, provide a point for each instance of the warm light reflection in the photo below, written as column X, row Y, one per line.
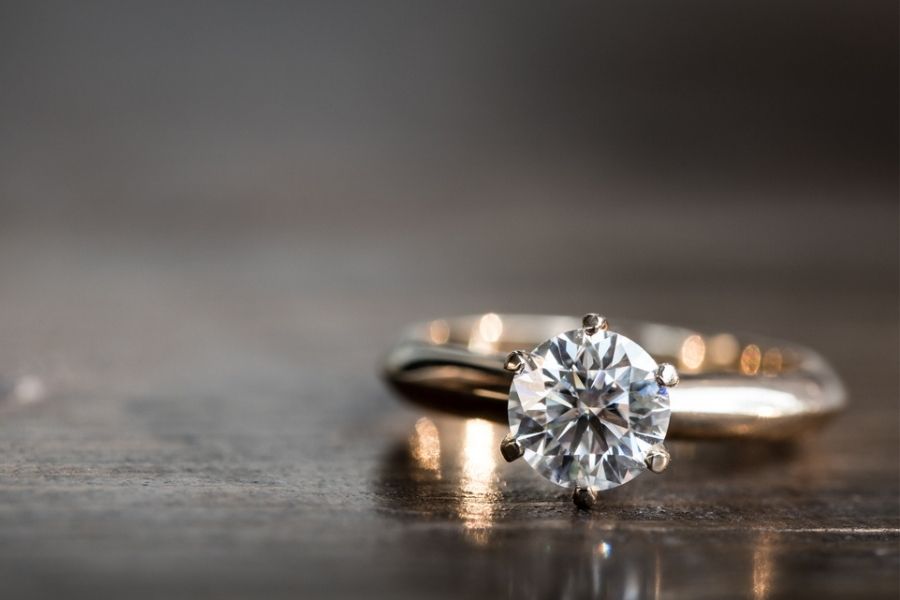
column 763, row 566
column 425, row 447
column 603, row 550
column 750, row 401
column 479, row 495
column 486, row 334
column 723, row 349
column 657, row 575
column 439, row 332
column 772, row 362
column 751, row 358
column 693, row 351
column 490, row 327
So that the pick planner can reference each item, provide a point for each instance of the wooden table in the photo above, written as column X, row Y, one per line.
column 205, row 419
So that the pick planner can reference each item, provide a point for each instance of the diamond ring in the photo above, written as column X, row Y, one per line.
column 590, row 408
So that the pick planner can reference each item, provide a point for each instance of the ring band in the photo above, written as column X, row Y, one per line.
column 732, row 385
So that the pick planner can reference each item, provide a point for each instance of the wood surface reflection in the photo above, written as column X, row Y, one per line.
column 668, row 537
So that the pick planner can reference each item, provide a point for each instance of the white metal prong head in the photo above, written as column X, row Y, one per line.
column 667, row 375
column 510, row 448
column 658, row 459
column 515, row 361
column 584, row 497
column 593, row 322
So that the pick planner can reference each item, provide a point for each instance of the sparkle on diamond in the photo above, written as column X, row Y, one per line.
column 587, row 409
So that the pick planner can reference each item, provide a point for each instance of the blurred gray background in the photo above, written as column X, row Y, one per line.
column 215, row 217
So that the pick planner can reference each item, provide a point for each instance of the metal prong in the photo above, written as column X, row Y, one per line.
column 667, row 375
column 658, row 459
column 510, row 448
column 584, row 498
column 515, row 361
column 592, row 323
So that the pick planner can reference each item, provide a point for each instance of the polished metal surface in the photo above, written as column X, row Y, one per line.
column 739, row 386
column 510, row 448
column 593, row 322
column 584, row 498
column 667, row 375
column 515, row 361
column 658, row 459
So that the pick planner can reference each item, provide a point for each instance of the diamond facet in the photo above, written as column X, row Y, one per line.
column 587, row 409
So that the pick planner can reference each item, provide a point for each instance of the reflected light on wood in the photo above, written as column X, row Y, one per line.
column 657, row 575
column 425, row 446
column 479, row 495
column 762, row 566
column 603, row 549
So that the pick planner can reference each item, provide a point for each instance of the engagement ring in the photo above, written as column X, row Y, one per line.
column 589, row 408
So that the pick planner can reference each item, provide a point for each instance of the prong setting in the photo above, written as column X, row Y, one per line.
column 584, row 497
column 556, row 367
column 510, row 448
column 658, row 459
column 593, row 322
column 667, row 375
column 515, row 361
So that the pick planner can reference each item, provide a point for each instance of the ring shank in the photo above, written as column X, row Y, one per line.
column 731, row 385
